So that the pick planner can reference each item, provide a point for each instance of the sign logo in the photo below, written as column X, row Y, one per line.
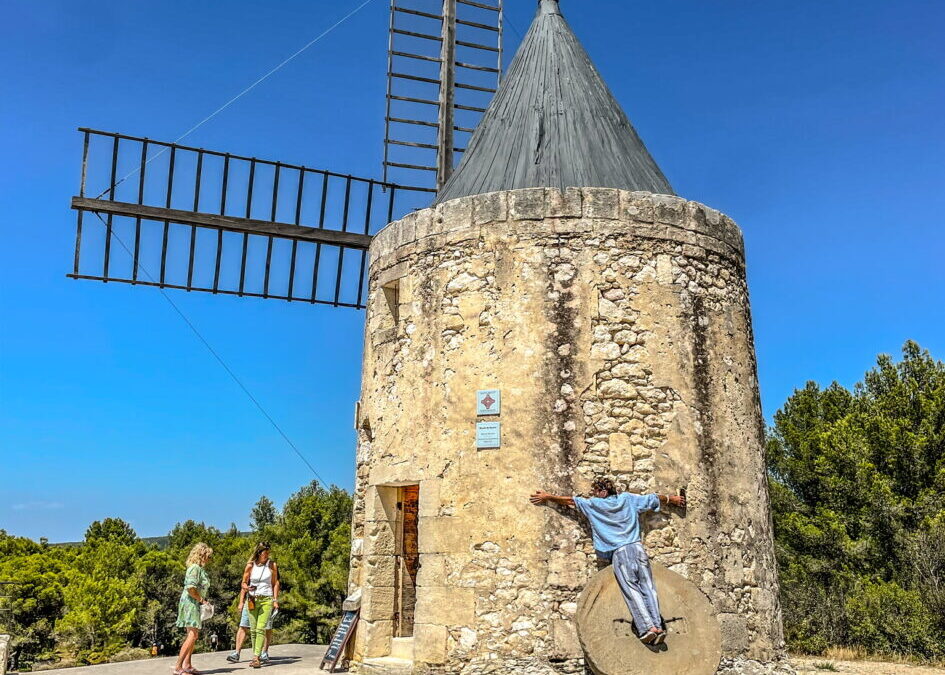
column 488, row 402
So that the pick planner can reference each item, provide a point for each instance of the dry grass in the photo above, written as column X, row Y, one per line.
column 860, row 654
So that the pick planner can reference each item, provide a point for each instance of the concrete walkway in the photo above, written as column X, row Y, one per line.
column 286, row 660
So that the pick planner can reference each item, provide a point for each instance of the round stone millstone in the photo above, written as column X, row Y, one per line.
column 693, row 644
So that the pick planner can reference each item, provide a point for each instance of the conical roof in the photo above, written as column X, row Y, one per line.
column 553, row 123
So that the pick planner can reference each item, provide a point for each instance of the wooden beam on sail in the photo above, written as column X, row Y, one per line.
column 444, row 155
column 223, row 222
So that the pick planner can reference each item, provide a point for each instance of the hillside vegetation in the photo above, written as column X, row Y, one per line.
column 114, row 592
column 857, row 482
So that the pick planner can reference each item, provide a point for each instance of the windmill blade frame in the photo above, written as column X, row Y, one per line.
column 444, row 64
column 282, row 231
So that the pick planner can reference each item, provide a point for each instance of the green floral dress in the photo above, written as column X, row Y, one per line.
column 188, row 611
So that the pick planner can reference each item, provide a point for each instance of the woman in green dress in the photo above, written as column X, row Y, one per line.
column 196, row 585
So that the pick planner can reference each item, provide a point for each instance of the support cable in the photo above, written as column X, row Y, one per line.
column 219, row 359
column 242, row 93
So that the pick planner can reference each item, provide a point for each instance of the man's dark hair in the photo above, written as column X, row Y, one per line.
column 604, row 484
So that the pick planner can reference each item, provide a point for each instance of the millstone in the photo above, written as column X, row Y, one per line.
column 693, row 644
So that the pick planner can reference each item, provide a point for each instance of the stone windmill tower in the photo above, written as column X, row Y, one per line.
column 558, row 281
column 556, row 316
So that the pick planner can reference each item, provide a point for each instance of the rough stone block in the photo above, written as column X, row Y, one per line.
column 423, row 225
column 379, row 570
column 456, row 213
column 441, row 535
column 357, row 546
column 735, row 637
column 405, row 231
column 429, row 643
column 664, row 269
column 691, row 251
column 375, row 506
column 605, row 350
column 377, row 603
column 695, row 214
column 607, row 310
column 621, row 453
column 491, row 207
column 380, row 538
column 601, row 203
column 527, row 204
column 432, row 570
column 430, row 497
column 637, row 206
column 446, row 605
column 669, row 209
column 565, row 643
column 567, row 204
column 617, row 389
column 373, row 638
column 567, row 570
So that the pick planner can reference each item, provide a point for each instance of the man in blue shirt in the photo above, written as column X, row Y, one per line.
column 615, row 525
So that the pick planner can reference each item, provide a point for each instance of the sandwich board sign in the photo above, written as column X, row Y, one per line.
column 349, row 619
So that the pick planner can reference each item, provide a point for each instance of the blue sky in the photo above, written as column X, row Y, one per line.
column 816, row 124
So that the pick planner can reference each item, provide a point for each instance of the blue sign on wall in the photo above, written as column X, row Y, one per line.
column 488, row 435
column 488, row 402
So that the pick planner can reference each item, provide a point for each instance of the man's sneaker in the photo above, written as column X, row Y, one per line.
column 234, row 657
column 264, row 657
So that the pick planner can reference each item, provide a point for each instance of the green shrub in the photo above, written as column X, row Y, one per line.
column 886, row 619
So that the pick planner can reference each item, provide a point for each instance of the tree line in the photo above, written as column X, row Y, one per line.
column 857, row 485
column 114, row 596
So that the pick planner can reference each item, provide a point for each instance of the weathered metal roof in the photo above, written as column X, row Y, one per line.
column 553, row 123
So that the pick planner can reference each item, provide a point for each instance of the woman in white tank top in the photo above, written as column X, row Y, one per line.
column 261, row 585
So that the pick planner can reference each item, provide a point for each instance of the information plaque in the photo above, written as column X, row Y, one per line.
column 488, row 435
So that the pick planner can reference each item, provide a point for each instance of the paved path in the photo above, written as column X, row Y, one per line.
column 286, row 660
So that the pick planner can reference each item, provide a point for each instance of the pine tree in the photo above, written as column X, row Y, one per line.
column 263, row 515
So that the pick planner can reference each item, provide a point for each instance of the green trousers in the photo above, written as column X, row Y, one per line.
column 258, row 618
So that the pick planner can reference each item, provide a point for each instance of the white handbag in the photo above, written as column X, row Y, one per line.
column 206, row 612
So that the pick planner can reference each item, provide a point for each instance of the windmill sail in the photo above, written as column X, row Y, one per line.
column 188, row 218
column 444, row 65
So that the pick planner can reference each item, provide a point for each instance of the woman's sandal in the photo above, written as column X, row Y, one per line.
column 255, row 663
column 660, row 637
column 192, row 671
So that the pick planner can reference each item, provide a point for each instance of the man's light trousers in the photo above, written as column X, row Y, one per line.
column 632, row 569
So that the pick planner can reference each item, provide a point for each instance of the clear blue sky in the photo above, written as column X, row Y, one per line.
column 817, row 125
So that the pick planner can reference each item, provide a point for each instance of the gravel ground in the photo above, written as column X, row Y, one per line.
column 810, row 665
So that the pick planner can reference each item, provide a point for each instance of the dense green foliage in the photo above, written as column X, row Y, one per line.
column 90, row 602
column 857, row 483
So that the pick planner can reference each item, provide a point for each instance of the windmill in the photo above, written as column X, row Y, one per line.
column 565, row 317
column 204, row 220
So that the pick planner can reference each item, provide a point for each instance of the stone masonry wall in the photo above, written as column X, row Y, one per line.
column 617, row 327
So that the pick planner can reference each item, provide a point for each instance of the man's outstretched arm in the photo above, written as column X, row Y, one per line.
column 541, row 497
column 672, row 500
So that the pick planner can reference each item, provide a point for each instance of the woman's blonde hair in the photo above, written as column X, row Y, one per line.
column 199, row 554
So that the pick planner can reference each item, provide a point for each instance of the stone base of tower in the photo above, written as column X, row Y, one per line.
column 617, row 328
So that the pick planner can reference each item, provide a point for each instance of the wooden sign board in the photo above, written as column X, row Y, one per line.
column 338, row 641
